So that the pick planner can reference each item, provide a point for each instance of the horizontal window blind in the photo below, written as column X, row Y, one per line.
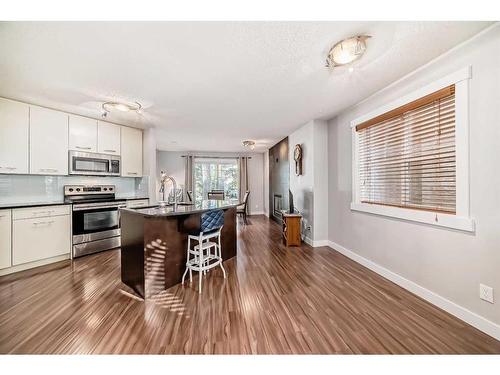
column 406, row 157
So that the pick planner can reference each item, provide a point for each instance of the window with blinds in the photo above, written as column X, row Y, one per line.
column 406, row 157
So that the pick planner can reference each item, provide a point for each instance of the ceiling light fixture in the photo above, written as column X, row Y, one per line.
column 120, row 107
column 347, row 51
column 250, row 144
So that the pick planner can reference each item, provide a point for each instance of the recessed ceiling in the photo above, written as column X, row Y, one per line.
column 206, row 86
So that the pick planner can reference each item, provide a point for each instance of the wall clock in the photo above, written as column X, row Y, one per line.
column 297, row 156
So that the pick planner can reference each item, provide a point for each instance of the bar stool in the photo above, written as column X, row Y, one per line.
column 207, row 253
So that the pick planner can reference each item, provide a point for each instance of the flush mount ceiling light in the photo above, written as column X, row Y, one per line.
column 347, row 51
column 120, row 107
column 250, row 144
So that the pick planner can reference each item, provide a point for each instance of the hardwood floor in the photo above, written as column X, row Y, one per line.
column 275, row 300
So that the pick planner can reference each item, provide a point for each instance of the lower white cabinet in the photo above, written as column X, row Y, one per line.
column 40, row 237
column 5, row 238
column 136, row 203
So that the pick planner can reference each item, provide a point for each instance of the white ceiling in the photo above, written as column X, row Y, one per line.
column 206, row 86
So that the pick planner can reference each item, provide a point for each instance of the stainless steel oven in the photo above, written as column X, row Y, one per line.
column 95, row 218
column 92, row 164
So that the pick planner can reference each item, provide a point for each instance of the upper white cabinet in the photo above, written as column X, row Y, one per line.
column 5, row 238
column 82, row 134
column 131, row 152
column 48, row 141
column 14, row 134
column 108, row 138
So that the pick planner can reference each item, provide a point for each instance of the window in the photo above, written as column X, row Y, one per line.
column 407, row 156
column 216, row 174
column 410, row 158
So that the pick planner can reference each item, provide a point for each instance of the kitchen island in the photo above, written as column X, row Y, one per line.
column 154, row 242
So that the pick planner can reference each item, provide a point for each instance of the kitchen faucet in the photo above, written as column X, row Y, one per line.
column 163, row 180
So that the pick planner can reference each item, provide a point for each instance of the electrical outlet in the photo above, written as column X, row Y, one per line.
column 486, row 293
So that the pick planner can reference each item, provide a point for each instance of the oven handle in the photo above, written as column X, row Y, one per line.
column 85, row 208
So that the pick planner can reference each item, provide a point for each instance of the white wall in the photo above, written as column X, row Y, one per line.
column 302, row 186
column 310, row 189
column 320, row 167
column 446, row 262
column 149, row 162
column 172, row 162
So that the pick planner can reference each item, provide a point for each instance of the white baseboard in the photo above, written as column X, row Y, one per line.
column 38, row 263
column 256, row 213
column 320, row 243
column 313, row 243
column 460, row 312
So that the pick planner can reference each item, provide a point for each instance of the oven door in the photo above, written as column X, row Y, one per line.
column 97, row 223
column 86, row 163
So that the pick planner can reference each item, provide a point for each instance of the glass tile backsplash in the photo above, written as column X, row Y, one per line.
column 29, row 188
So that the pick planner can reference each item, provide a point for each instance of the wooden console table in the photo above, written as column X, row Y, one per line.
column 291, row 229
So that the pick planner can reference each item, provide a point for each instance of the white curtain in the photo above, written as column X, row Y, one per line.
column 188, row 177
column 243, row 166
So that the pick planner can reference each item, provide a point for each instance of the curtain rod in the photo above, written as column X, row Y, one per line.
column 215, row 157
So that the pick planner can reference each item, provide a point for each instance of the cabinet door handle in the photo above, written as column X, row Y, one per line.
column 48, row 170
column 43, row 222
column 132, row 173
column 10, row 168
column 109, row 150
column 43, row 212
column 2, row 216
column 83, row 148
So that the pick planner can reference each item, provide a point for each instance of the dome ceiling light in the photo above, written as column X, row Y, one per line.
column 347, row 51
column 120, row 107
column 249, row 144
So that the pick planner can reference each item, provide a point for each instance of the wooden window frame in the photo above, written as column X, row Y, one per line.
column 461, row 219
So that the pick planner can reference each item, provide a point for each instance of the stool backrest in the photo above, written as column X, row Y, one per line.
column 211, row 220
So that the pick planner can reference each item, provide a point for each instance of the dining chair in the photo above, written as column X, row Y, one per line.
column 242, row 208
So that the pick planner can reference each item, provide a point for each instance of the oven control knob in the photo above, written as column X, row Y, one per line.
column 110, row 189
column 77, row 189
column 105, row 189
column 70, row 189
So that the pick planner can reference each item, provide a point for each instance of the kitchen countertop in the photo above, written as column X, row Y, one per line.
column 7, row 205
column 183, row 208
column 10, row 205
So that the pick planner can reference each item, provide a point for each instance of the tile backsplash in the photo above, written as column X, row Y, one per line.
column 29, row 188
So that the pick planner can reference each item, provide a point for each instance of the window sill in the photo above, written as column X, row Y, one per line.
column 427, row 217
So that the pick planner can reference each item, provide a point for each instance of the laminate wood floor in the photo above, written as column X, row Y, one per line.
column 275, row 300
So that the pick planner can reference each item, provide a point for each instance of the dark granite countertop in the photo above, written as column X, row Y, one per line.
column 131, row 197
column 10, row 205
column 183, row 208
column 7, row 205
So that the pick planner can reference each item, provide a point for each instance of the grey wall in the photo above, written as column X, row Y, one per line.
column 447, row 262
column 310, row 189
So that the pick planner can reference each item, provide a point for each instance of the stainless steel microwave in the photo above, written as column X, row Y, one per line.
column 92, row 164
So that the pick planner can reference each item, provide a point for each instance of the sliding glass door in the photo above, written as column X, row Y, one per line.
column 215, row 174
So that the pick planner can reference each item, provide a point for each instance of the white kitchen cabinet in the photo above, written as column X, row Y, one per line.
column 108, row 138
column 14, row 136
column 131, row 152
column 48, row 141
column 40, row 238
column 82, row 134
column 137, row 203
column 5, row 238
